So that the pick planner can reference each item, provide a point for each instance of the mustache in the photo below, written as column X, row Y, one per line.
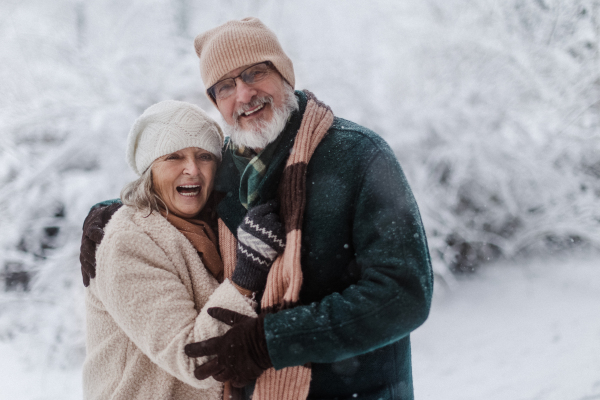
column 254, row 103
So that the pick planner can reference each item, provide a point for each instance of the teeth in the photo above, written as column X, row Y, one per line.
column 188, row 187
column 255, row 110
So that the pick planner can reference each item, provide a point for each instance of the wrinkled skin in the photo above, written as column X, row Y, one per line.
column 188, row 166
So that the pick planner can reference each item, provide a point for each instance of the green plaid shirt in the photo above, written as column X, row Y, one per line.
column 252, row 169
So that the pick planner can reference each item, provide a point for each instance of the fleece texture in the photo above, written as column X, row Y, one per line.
column 366, row 271
column 148, row 300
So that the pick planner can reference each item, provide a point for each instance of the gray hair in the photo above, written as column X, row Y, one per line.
column 140, row 193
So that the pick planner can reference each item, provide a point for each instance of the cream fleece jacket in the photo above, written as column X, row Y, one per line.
column 148, row 300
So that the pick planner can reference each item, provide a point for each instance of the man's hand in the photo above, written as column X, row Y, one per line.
column 93, row 232
column 261, row 237
column 241, row 353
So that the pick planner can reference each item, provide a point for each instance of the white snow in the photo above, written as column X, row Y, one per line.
column 491, row 107
column 20, row 380
column 513, row 332
column 508, row 332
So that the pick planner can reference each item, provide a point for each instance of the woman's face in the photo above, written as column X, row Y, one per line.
column 184, row 180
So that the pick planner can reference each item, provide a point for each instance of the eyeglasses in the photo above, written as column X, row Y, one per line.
column 251, row 75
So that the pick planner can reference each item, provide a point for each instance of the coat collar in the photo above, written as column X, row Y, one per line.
column 227, row 181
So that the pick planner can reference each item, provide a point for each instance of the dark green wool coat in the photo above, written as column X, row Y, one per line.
column 366, row 267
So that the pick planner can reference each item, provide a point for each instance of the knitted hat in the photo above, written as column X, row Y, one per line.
column 167, row 127
column 236, row 44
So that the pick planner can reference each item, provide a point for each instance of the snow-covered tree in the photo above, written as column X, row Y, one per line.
column 493, row 108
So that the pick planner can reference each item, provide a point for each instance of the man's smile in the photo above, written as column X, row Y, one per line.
column 253, row 110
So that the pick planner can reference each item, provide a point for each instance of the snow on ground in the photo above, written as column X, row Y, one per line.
column 506, row 333
column 21, row 381
column 513, row 333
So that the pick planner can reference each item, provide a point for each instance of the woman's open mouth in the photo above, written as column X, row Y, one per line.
column 189, row 190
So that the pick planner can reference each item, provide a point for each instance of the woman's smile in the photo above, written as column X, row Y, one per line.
column 184, row 180
column 189, row 190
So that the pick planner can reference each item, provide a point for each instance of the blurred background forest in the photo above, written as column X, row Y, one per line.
column 492, row 107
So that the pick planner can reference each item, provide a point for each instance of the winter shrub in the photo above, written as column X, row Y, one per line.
column 509, row 161
column 77, row 82
column 492, row 107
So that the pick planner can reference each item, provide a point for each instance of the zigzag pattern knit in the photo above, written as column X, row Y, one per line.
column 261, row 238
column 285, row 278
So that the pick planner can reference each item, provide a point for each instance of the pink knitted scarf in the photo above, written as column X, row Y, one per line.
column 285, row 278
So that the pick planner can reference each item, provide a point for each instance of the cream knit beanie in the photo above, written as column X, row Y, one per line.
column 167, row 127
column 236, row 44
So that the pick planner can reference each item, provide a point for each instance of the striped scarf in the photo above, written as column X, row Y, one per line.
column 253, row 168
column 285, row 278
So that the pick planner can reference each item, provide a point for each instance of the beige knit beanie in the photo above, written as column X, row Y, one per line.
column 236, row 44
column 167, row 127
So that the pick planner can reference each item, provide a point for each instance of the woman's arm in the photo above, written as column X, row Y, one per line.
column 143, row 292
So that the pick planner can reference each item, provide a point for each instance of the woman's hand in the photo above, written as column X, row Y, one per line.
column 261, row 238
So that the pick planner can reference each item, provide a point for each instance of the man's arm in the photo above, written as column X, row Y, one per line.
column 392, row 296
column 93, row 232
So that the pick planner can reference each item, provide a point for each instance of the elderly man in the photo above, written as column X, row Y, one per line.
column 355, row 278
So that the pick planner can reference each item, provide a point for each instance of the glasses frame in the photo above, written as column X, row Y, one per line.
column 211, row 90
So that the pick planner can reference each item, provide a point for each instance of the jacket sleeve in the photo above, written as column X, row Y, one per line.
column 391, row 298
column 142, row 291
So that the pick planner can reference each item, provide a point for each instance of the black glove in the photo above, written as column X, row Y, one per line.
column 93, row 232
column 261, row 237
column 241, row 353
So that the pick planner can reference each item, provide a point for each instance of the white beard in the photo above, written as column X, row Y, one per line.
column 262, row 133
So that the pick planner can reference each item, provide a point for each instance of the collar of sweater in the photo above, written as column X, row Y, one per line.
column 227, row 181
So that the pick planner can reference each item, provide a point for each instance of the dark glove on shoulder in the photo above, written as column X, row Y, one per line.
column 93, row 232
column 241, row 353
column 261, row 237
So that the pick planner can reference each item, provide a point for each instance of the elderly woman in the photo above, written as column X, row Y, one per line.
column 158, row 267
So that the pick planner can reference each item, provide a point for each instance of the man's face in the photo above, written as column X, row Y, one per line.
column 235, row 108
